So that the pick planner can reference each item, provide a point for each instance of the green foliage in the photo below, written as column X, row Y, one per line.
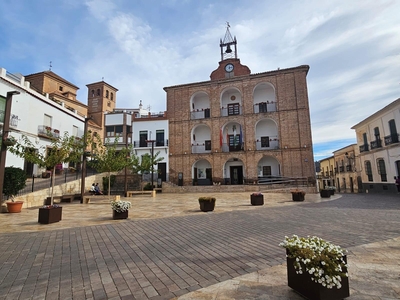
column 62, row 149
column 105, row 182
column 146, row 163
column 14, row 181
column 148, row 187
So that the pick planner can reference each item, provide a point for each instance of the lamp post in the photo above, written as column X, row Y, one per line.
column 6, row 129
column 152, row 159
column 126, row 168
column 84, row 158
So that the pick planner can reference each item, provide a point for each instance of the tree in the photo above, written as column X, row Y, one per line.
column 14, row 181
column 146, row 164
column 106, row 157
column 63, row 149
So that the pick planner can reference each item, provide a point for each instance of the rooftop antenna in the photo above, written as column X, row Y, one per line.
column 50, row 66
column 102, row 78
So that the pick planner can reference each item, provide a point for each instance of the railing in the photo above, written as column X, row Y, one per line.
column 264, row 107
column 231, row 111
column 341, row 169
column 349, row 168
column 48, row 132
column 273, row 143
column 364, row 148
column 232, row 148
column 203, row 113
column 392, row 139
column 144, row 144
column 376, row 144
column 201, row 147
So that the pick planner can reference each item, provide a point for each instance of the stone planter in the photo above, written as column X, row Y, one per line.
column 325, row 193
column 303, row 285
column 14, row 207
column 332, row 192
column 120, row 215
column 257, row 199
column 50, row 215
column 298, row 196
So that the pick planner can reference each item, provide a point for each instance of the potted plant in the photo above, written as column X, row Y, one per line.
column 317, row 269
column 324, row 193
column 331, row 189
column 257, row 198
column 298, row 195
column 9, row 141
column 120, row 209
column 14, row 181
column 50, row 214
column 207, row 203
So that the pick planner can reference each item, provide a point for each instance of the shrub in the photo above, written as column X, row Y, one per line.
column 14, row 181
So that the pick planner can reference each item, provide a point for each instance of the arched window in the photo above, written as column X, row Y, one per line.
column 381, row 169
column 112, row 96
column 92, row 93
column 98, row 92
column 106, row 93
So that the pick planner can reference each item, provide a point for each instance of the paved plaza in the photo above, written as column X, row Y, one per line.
column 169, row 249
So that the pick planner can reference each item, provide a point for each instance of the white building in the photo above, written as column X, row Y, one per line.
column 147, row 132
column 378, row 140
column 32, row 115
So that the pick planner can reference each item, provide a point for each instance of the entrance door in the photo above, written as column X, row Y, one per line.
column 162, row 171
column 351, row 185
column 236, row 175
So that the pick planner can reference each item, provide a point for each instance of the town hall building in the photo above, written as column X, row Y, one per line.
column 239, row 127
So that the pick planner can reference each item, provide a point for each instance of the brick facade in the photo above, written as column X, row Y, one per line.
column 231, row 101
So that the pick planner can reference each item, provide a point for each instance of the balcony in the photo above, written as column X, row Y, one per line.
column 341, row 169
column 231, row 111
column 376, row 144
column 264, row 107
column 48, row 132
column 144, row 144
column 392, row 139
column 349, row 168
column 201, row 146
column 232, row 148
column 364, row 148
column 272, row 143
column 203, row 113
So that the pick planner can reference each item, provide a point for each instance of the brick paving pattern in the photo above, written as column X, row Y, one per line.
column 168, row 257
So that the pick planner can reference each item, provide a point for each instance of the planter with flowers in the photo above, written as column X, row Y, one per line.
column 120, row 209
column 257, row 199
column 316, row 269
column 298, row 195
column 9, row 141
column 207, row 203
column 50, row 214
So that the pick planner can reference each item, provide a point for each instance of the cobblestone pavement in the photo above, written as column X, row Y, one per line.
column 169, row 249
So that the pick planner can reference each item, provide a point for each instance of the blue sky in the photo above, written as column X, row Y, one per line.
column 141, row 46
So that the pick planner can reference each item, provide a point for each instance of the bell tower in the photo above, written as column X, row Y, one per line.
column 230, row 65
column 227, row 44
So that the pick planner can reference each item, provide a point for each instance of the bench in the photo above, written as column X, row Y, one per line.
column 131, row 193
column 47, row 201
column 68, row 198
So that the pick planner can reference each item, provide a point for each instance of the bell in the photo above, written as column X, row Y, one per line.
column 228, row 49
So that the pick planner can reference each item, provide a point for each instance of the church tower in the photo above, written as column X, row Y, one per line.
column 102, row 98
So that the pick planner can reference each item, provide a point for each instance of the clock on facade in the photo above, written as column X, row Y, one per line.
column 229, row 68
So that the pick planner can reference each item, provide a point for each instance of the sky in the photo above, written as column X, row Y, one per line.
column 142, row 46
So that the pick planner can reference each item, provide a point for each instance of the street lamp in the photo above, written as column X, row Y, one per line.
column 126, row 168
column 152, row 160
column 6, row 129
column 84, row 158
